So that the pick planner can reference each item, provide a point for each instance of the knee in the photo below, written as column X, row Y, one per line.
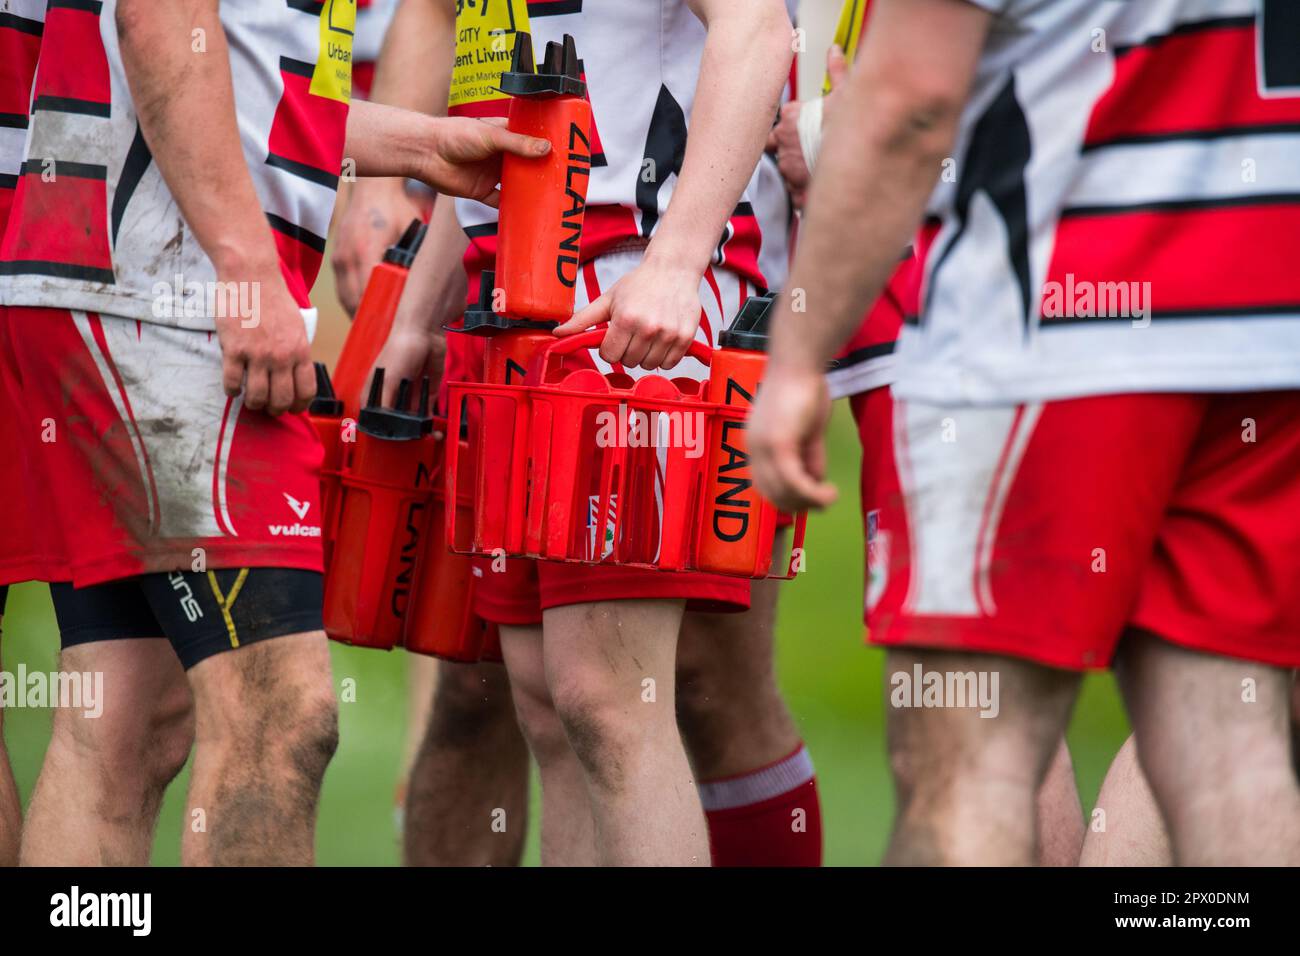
column 170, row 736
column 312, row 738
column 471, row 701
column 542, row 727
column 601, row 731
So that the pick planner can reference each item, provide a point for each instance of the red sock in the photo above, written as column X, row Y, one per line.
column 767, row 817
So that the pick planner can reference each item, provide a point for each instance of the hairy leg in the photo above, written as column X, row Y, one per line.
column 611, row 670
column 11, row 811
column 568, row 830
column 101, row 786
column 967, row 786
column 1060, row 813
column 1126, row 827
column 467, row 799
column 267, row 728
column 1213, row 738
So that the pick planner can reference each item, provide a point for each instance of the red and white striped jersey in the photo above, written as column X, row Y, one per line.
column 21, row 24
column 1123, row 212
column 641, row 61
column 94, row 226
column 373, row 18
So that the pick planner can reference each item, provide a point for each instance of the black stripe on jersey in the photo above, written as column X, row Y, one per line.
column 8, row 181
column 306, row 6
column 1271, row 310
column 137, row 162
column 1278, row 51
column 68, row 104
column 86, row 6
column 744, row 208
column 12, row 21
column 303, row 171
column 865, row 354
column 297, row 67
column 665, row 148
column 1184, row 205
column 59, row 270
column 553, row 8
column 37, row 167
column 1194, row 135
column 13, row 120
column 297, row 233
column 481, row 230
column 1198, row 26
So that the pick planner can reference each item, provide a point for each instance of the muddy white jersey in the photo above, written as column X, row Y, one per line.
column 641, row 61
column 1122, row 212
column 94, row 227
column 21, row 25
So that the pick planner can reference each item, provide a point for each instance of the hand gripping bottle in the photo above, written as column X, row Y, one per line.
column 374, row 318
column 739, row 525
column 543, row 199
column 382, row 518
column 326, row 416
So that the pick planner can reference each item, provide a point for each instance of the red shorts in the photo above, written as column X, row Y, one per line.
column 145, row 459
column 518, row 592
column 1043, row 531
column 29, row 547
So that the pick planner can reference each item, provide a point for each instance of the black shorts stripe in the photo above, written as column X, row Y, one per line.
column 303, row 171
column 1183, row 29
column 13, row 120
column 865, row 354
column 478, row 232
column 8, row 181
column 297, row 233
column 1184, row 205
column 1194, row 135
column 137, row 162
column 58, row 270
column 68, row 104
column 12, row 21
column 37, row 167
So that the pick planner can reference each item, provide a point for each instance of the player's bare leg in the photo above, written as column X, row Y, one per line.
column 1060, row 813
column 1213, row 736
column 967, row 786
column 467, row 799
column 101, row 786
column 11, row 811
column 1126, row 828
column 267, row 727
column 421, row 686
column 568, row 828
column 611, row 668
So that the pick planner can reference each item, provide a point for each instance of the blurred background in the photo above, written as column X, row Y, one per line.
column 833, row 683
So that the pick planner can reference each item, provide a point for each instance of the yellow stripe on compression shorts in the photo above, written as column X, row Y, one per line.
column 226, row 602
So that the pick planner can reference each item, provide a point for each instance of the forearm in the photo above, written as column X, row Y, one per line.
column 746, row 60
column 390, row 141
column 171, row 86
column 420, row 44
column 436, row 288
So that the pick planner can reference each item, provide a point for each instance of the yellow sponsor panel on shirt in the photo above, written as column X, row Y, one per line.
column 485, row 38
column 333, row 76
column 848, row 32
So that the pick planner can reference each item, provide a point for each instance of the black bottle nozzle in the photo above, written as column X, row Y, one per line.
column 749, row 329
column 326, row 404
column 482, row 319
column 560, row 75
column 402, row 253
column 399, row 423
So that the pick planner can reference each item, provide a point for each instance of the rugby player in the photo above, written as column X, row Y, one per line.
column 1075, row 483
column 863, row 371
column 164, row 421
column 610, row 41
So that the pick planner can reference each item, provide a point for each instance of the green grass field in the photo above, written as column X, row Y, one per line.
column 832, row 682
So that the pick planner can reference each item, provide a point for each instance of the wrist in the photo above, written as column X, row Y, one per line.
column 242, row 259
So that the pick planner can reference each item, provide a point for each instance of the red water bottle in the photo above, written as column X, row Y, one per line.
column 543, row 199
column 374, row 318
column 739, row 524
column 326, row 417
column 382, row 518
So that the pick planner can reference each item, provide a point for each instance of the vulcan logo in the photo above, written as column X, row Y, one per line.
column 298, row 529
column 300, row 508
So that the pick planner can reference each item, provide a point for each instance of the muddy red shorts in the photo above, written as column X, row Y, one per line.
column 1044, row 531
column 29, row 544
column 516, row 591
column 144, row 461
